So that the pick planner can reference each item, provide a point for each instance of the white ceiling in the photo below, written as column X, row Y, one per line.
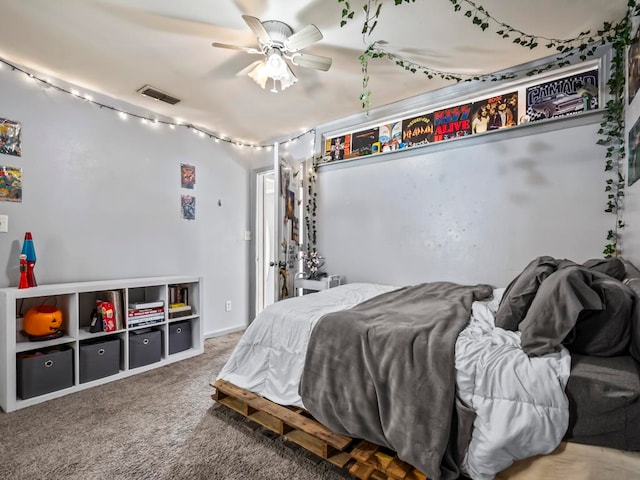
column 116, row 46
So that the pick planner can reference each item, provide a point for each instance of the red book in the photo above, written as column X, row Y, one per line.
column 144, row 311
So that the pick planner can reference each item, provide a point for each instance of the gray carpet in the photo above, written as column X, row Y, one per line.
column 161, row 424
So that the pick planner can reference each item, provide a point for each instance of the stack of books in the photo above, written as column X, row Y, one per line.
column 177, row 310
column 145, row 313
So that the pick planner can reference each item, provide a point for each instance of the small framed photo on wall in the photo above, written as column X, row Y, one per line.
column 188, row 207
column 187, row 176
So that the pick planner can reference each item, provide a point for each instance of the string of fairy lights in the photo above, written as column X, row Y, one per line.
column 124, row 114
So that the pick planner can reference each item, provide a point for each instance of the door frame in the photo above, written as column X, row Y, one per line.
column 261, row 293
column 253, row 243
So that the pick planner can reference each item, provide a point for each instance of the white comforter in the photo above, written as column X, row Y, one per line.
column 269, row 357
column 519, row 401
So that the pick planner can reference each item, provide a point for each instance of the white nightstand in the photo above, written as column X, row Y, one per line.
column 307, row 285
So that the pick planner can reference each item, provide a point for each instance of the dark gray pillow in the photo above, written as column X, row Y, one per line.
column 585, row 310
column 606, row 332
column 520, row 292
column 614, row 267
column 630, row 269
column 634, row 346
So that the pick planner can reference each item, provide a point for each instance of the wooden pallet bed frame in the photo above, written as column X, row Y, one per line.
column 368, row 461
column 362, row 459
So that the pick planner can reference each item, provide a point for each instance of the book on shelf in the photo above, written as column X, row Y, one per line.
column 178, row 294
column 138, row 312
column 179, row 311
column 141, row 305
column 116, row 298
column 145, row 319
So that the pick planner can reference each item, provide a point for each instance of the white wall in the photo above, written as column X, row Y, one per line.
column 469, row 210
column 101, row 196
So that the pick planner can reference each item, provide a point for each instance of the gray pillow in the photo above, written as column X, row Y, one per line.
column 630, row 269
column 614, row 267
column 520, row 292
column 587, row 311
column 634, row 346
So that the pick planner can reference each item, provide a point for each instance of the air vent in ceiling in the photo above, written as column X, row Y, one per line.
column 156, row 94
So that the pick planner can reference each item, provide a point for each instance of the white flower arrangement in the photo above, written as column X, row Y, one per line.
column 313, row 262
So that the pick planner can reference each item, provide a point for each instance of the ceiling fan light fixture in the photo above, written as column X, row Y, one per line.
column 259, row 74
column 278, row 42
column 275, row 68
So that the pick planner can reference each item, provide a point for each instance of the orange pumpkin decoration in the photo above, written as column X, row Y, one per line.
column 42, row 320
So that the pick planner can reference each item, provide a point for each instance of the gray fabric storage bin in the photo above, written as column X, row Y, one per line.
column 145, row 347
column 99, row 359
column 179, row 336
column 44, row 371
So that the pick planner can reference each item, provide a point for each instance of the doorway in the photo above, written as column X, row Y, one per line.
column 265, row 235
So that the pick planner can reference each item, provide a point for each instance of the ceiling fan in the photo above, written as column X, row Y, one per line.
column 277, row 42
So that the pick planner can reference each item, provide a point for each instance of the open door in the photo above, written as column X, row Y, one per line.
column 265, row 238
column 288, row 200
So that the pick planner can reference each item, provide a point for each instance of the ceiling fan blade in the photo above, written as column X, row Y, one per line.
column 235, row 47
column 305, row 37
column 248, row 68
column 311, row 61
column 256, row 26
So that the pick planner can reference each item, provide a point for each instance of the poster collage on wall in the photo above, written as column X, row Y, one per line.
column 633, row 85
column 10, row 175
column 188, row 201
column 556, row 98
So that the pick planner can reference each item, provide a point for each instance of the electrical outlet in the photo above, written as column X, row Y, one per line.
column 227, row 306
column 4, row 223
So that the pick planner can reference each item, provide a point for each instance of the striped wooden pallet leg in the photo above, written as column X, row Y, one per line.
column 364, row 460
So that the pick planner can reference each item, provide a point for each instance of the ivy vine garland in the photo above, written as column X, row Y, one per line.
column 311, row 208
column 612, row 129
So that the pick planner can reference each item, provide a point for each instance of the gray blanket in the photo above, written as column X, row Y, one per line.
column 384, row 371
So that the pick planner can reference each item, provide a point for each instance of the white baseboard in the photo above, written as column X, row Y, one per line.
column 226, row 331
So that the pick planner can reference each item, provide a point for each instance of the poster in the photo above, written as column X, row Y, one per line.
column 494, row 113
column 634, row 153
column 188, row 207
column 417, row 130
column 633, row 72
column 289, row 212
column 338, row 148
column 390, row 136
column 10, row 137
column 563, row 96
column 362, row 142
column 452, row 122
column 10, row 184
column 187, row 176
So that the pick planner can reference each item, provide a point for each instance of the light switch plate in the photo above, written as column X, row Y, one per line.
column 4, row 223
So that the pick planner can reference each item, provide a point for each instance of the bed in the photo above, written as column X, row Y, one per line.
column 536, row 380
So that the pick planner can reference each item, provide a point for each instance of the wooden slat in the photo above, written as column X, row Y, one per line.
column 237, row 405
column 364, row 451
column 398, row 469
column 340, row 459
column 311, row 443
column 297, row 421
column 361, row 471
column 362, row 459
column 378, row 476
column 268, row 421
